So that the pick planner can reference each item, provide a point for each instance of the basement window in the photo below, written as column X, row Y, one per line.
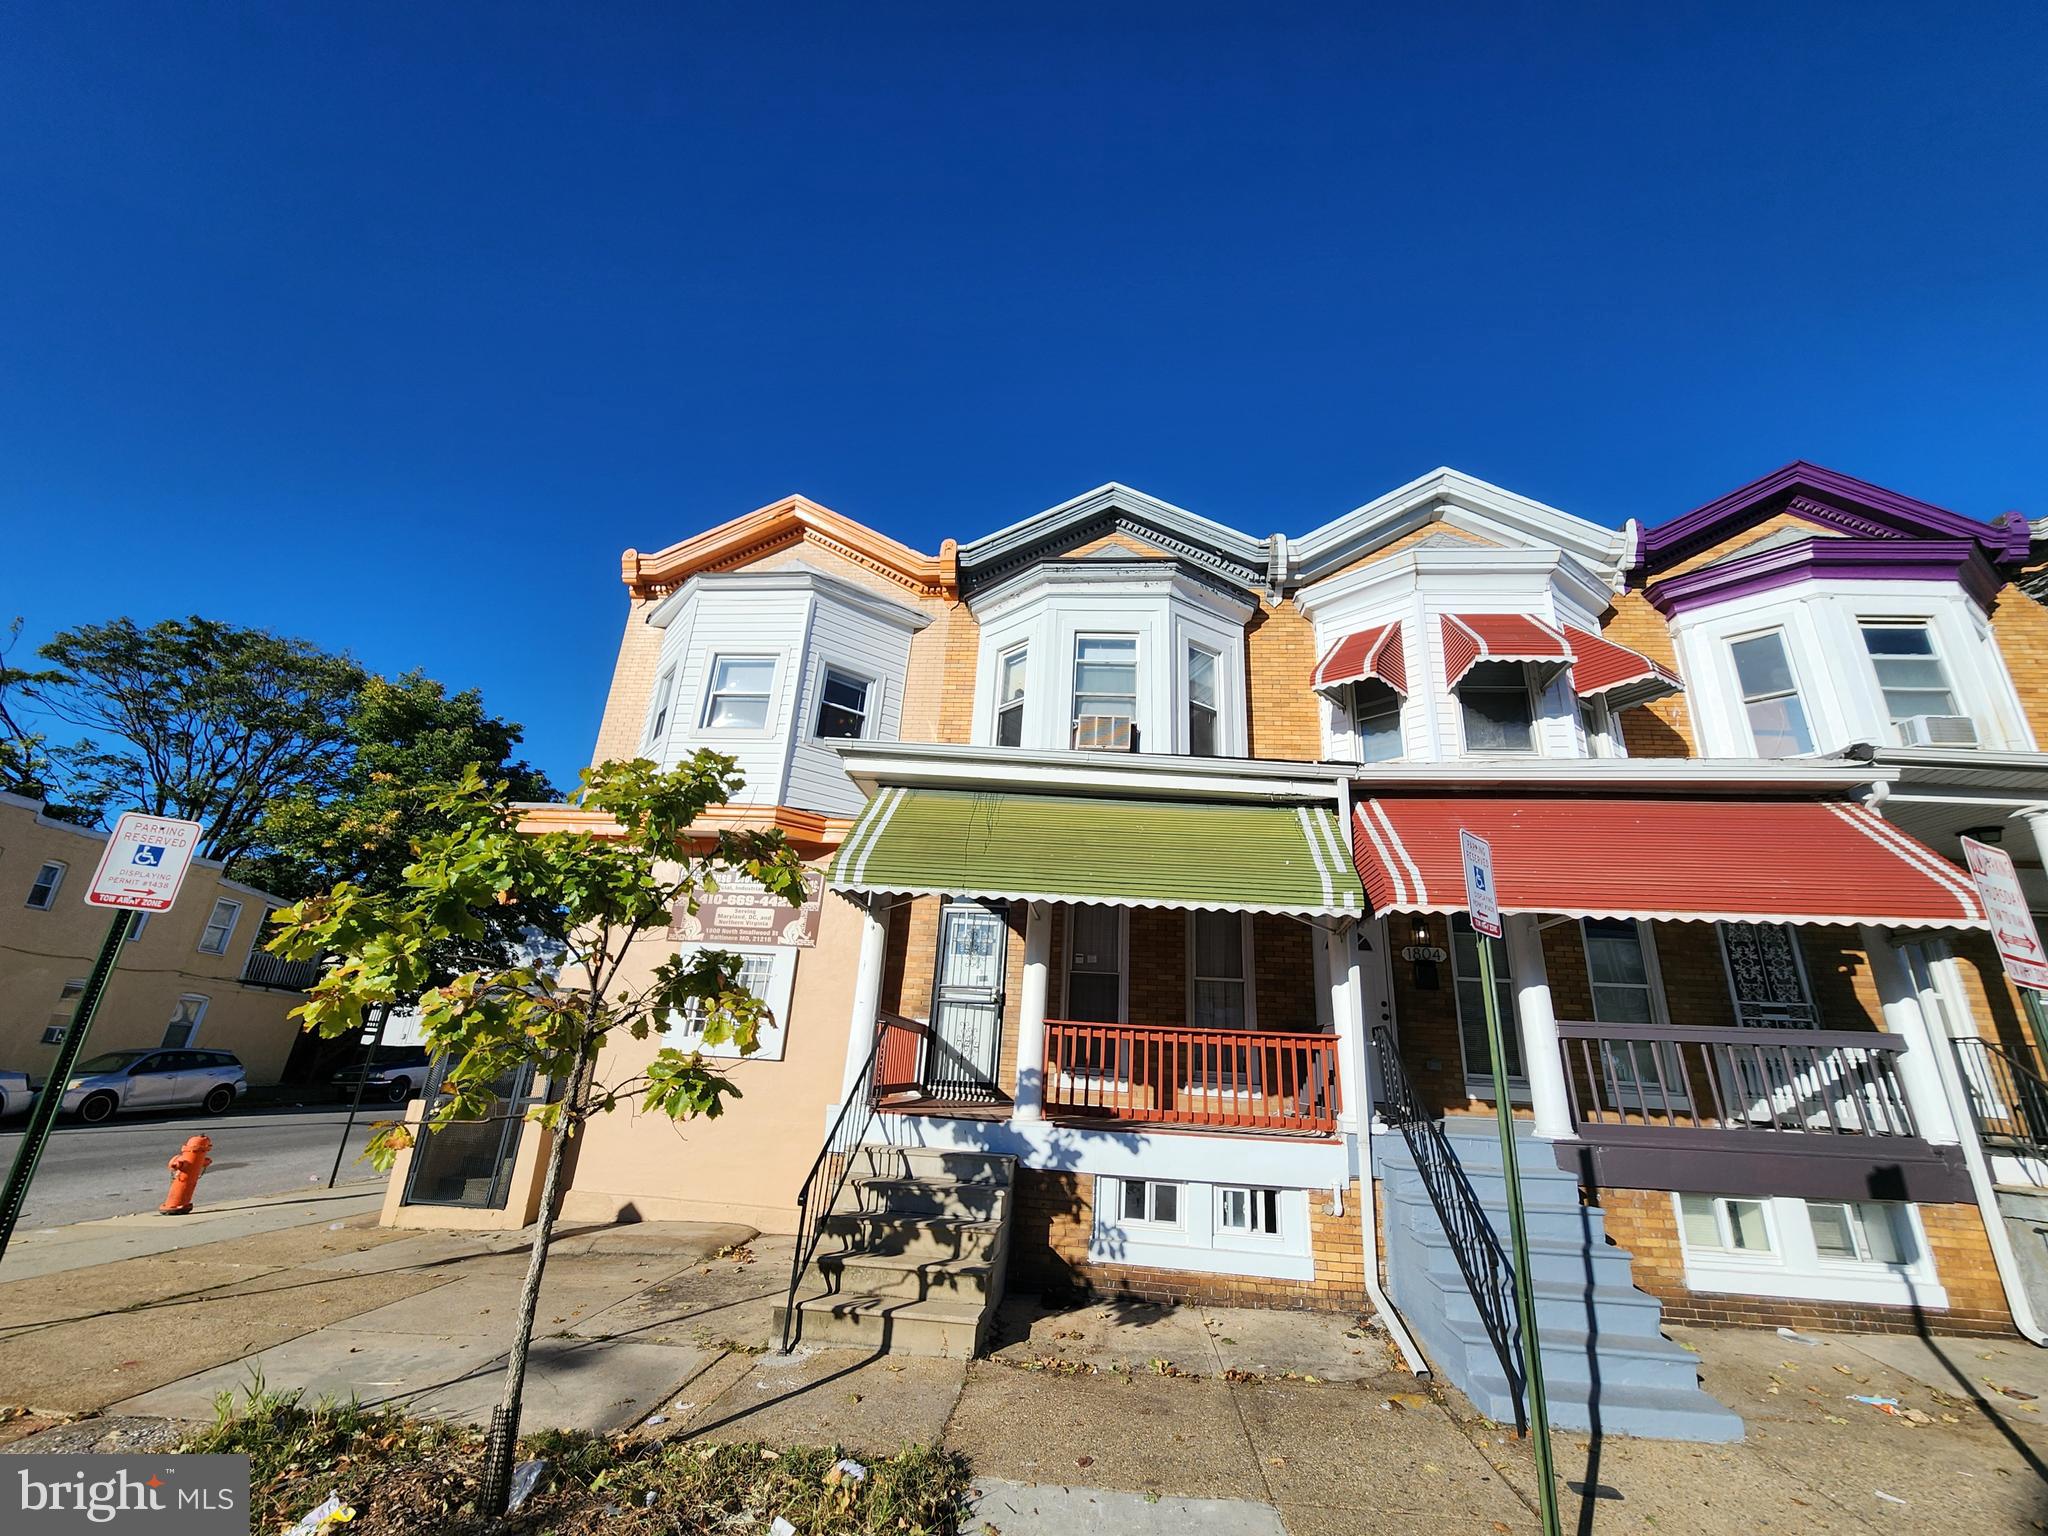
column 1151, row 1202
column 1248, row 1212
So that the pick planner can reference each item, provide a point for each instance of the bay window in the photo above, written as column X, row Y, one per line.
column 1376, row 718
column 1106, row 692
column 842, row 706
column 1010, row 696
column 1770, row 695
column 740, row 690
column 1498, row 709
column 1909, row 672
column 1202, row 711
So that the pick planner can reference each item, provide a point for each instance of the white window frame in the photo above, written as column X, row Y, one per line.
column 713, row 693
column 687, row 1035
column 1597, row 723
column 1535, row 699
column 871, row 701
column 1644, row 1094
column 198, row 1021
column 227, row 934
column 1187, row 698
column 1151, row 1220
column 137, row 921
column 1357, row 716
column 1255, row 1195
column 1022, row 704
column 1798, row 691
column 1865, row 622
column 50, row 894
column 70, row 992
column 1197, row 1242
column 1795, row 1269
column 1123, row 964
column 1137, row 693
column 1249, row 980
column 1479, row 1084
column 658, row 707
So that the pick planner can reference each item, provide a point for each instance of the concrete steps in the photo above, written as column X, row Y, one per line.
column 1606, row 1362
column 910, row 1257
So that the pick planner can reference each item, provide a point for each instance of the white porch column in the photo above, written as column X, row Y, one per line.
column 2036, row 818
column 1919, row 1068
column 1030, row 1104
column 867, row 989
column 1336, row 962
column 1541, row 1062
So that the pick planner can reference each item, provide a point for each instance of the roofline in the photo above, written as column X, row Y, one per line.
column 1155, row 776
column 1785, row 775
column 101, row 834
column 788, row 521
column 791, row 578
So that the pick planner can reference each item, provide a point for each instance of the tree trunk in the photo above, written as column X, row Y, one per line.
column 505, row 1424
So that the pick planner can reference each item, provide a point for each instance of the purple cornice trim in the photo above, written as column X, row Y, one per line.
column 1957, row 560
column 1837, row 500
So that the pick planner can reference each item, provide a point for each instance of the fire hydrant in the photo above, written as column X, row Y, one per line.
column 186, row 1167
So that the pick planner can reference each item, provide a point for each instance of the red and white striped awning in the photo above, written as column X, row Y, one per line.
column 1626, row 677
column 1470, row 638
column 1699, row 860
column 1374, row 652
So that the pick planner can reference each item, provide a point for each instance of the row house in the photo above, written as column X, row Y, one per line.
column 1142, row 966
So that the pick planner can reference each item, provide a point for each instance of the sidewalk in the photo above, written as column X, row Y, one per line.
column 1132, row 1418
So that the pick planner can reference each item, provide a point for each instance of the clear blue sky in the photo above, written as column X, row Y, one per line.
column 391, row 325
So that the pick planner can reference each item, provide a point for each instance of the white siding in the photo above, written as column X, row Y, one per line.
column 859, row 643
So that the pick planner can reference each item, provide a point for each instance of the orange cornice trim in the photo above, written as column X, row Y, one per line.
column 795, row 519
column 807, row 830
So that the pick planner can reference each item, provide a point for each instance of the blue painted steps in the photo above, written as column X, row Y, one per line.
column 1606, row 1362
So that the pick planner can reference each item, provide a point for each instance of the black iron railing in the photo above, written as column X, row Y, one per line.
column 1481, row 1260
column 2008, row 1097
column 828, row 1175
column 267, row 970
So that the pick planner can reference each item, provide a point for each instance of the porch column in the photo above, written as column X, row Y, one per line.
column 1541, row 1062
column 867, row 990
column 1030, row 1103
column 1919, row 1069
column 1336, row 962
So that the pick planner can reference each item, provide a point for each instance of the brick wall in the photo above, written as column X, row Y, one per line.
column 1664, row 728
column 1054, row 1214
column 2020, row 626
column 1645, row 1222
column 625, row 707
column 1284, row 717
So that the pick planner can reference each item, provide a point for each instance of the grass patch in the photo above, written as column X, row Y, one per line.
column 410, row 1477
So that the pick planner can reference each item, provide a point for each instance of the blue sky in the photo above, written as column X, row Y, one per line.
column 391, row 325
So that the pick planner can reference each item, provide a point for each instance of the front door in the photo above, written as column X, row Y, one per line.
column 967, row 1003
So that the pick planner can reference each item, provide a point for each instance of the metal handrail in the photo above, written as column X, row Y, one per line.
column 1489, row 1276
column 2008, row 1097
column 828, row 1175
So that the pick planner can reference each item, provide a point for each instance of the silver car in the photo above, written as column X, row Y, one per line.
column 161, row 1079
column 14, row 1094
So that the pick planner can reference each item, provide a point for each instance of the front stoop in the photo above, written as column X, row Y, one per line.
column 910, row 1257
column 1606, row 1362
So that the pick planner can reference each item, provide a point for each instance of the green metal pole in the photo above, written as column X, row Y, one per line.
column 1518, row 1242
column 42, row 1118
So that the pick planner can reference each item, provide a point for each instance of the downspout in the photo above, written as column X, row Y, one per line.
column 2007, row 1262
column 1368, row 1202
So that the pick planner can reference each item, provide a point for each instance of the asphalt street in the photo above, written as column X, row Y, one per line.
column 89, row 1172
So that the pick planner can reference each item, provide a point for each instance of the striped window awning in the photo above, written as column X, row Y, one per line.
column 1746, row 860
column 1008, row 846
column 1624, row 677
column 1470, row 638
column 1374, row 652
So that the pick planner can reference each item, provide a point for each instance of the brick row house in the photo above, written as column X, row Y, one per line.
column 1142, row 966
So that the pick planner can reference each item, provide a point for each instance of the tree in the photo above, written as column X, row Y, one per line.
column 602, row 893
column 28, row 765
column 197, row 719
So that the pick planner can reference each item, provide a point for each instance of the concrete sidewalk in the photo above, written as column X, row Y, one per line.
column 1107, row 1417
column 37, row 1251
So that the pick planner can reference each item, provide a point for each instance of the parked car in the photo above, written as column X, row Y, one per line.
column 161, row 1079
column 397, row 1073
column 14, row 1093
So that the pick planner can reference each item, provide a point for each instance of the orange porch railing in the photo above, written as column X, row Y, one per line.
column 1254, row 1079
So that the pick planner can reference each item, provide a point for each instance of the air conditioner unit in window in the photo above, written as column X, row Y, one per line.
column 1105, row 733
column 1938, row 731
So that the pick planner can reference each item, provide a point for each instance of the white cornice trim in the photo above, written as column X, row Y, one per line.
column 1464, row 501
column 789, row 578
column 1151, row 775
column 1134, row 577
column 1114, row 496
column 1416, row 566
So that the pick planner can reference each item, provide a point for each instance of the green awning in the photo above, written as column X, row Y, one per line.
column 1228, row 857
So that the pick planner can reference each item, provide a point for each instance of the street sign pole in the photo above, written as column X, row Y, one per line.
column 356, row 1104
column 2012, row 931
column 42, row 1117
column 1482, row 901
column 141, row 869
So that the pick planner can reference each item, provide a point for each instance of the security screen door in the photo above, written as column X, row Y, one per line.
column 967, row 1003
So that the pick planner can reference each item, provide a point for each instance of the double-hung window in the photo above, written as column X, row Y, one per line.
column 1202, row 696
column 186, row 1018
column 1376, row 715
column 1106, row 692
column 1217, row 986
column 60, row 1016
column 657, row 716
column 220, row 927
column 1770, row 695
column 42, row 895
column 1500, row 714
column 756, row 972
column 1010, row 667
column 1909, row 673
column 739, row 695
column 843, row 706
column 1470, row 991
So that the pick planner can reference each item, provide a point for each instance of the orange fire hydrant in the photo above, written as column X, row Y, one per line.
column 186, row 1167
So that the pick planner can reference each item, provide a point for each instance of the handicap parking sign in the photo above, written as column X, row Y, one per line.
column 149, row 854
